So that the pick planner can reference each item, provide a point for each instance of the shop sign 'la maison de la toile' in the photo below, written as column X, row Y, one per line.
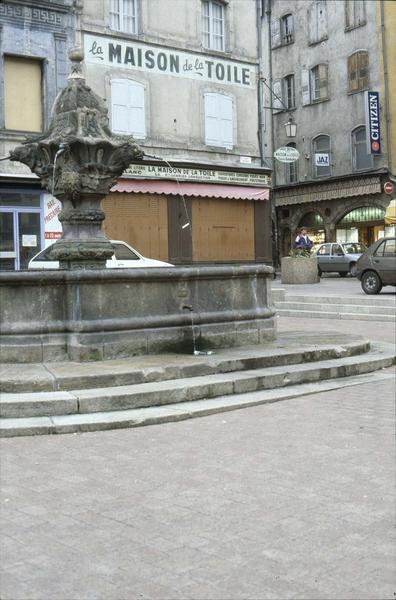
column 144, row 57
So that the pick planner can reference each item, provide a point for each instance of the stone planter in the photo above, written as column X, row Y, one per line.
column 299, row 270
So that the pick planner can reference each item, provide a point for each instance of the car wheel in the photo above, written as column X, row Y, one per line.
column 352, row 269
column 371, row 283
column 342, row 274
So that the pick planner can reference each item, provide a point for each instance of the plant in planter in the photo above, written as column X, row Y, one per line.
column 299, row 267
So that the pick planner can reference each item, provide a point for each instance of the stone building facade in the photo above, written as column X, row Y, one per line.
column 327, row 58
column 34, row 40
column 182, row 77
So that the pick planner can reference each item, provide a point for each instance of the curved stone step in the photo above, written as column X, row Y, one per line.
column 70, row 375
column 80, row 406
column 78, row 423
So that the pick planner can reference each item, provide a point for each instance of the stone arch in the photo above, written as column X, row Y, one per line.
column 342, row 210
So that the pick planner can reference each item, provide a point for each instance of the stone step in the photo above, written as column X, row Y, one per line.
column 326, row 314
column 59, row 377
column 341, row 307
column 75, row 423
column 280, row 295
column 15, row 408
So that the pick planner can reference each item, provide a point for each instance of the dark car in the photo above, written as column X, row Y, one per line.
column 338, row 257
column 377, row 266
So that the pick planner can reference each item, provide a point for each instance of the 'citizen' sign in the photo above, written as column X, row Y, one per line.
column 373, row 122
column 114, row 52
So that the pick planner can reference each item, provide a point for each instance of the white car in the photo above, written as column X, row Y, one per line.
column 124, row 257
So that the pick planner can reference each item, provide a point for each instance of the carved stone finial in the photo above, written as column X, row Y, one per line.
column 76, row 57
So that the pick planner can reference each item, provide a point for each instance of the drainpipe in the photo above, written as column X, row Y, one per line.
column 275, row 248
column 260, row 92
column 386, row 90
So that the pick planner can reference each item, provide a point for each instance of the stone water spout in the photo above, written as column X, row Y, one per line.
column 78, row 160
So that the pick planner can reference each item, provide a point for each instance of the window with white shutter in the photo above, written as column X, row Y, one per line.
column 314, row 84
column 276, row 39
column 355, row 14
column 127, row 108
column 277, row 102
column 219, row 123
column 317, row 21
column 123, row 15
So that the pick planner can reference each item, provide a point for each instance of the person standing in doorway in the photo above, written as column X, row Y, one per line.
column 302, row 241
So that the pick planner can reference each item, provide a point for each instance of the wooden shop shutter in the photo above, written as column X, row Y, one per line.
column 141, row 220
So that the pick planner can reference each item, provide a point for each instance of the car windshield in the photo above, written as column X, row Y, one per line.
column 44, row 255
column 353, row 248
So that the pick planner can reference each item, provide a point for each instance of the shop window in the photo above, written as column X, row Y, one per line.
column 314, row 84
column 128, row 108
column 218, row 120
column 317, row 21
column 358, row 71
column 355, row 13
column 213, row 25
column 361, row 160
column 23, row 99
column 123, row 15
column 291, row 173
column 321, row 155
column 366, row 214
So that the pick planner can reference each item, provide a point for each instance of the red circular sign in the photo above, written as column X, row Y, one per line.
column 375, row 146
column 388, row 187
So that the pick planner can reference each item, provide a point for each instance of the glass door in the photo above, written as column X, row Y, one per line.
column 28, row 237
column 20, row 237
column 8, row 252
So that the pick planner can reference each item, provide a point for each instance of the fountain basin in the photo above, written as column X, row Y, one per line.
column 102, row 314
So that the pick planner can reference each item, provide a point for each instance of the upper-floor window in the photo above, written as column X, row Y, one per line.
column 287, row 30
column 355, row 13
column 317, row 21
column 291, row 172
column 23, row 97
column 314, row 84
column 127, row 108
column 219, row 126
column 288, row 91
column 361, row 159
column 358, row 71
column 321, row 156
column 213, row 25
column 123, row 15
column 282, row 31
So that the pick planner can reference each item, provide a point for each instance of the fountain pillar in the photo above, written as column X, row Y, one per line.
column 78, row 160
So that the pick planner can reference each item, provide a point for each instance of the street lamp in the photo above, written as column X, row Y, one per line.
column 291, row 128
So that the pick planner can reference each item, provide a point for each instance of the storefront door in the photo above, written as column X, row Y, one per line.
column 20, row 237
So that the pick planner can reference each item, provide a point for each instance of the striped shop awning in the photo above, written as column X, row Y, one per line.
column 327, row 191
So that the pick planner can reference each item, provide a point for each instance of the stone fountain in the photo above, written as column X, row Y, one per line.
column 84, row 311
column 78, row 160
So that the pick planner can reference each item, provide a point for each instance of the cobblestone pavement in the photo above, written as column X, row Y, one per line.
column 288, row 500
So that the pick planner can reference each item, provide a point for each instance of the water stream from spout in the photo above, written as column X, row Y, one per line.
column 184, row 226
column 187, row 224
column 62, row 148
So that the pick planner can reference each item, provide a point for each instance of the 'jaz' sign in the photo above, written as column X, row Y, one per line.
column 373, row 122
